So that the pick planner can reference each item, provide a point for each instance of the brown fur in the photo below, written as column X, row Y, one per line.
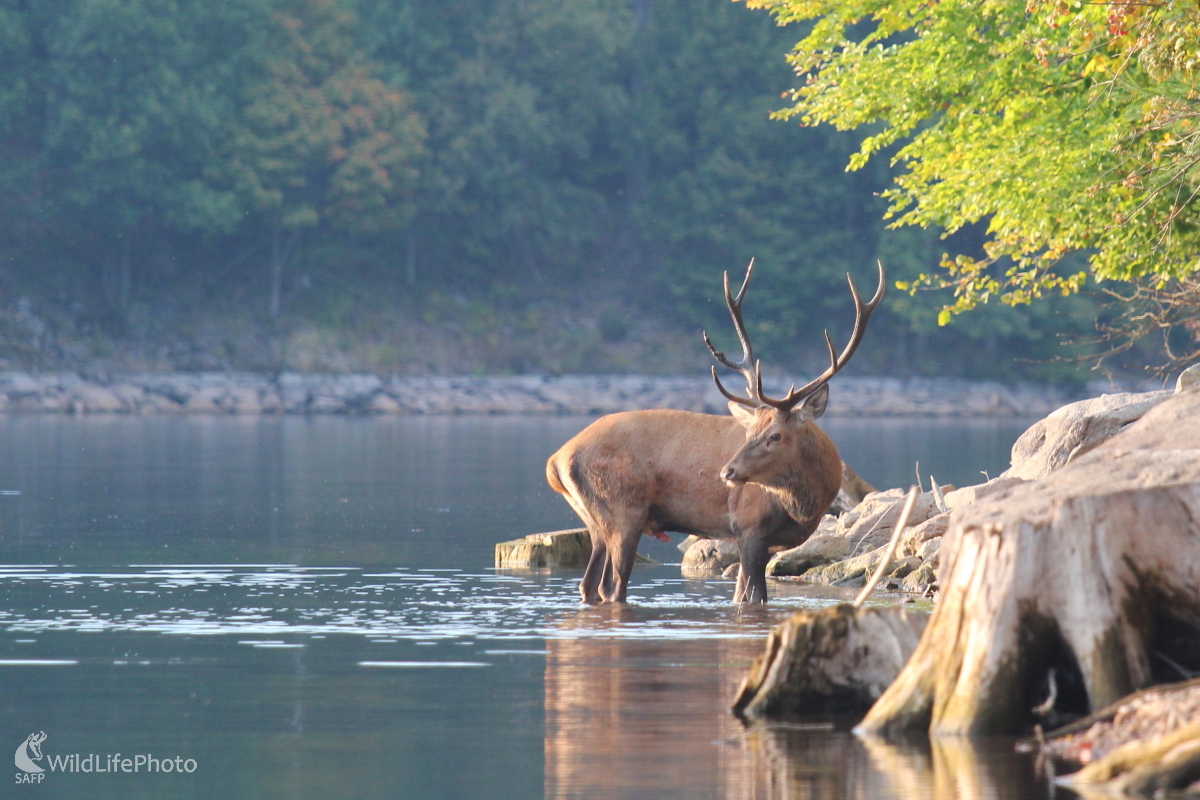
column 643, row 472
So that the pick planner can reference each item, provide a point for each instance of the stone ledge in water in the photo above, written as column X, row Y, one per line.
column 709, row 556
column 569, row 548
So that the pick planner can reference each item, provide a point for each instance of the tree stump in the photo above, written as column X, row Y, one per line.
column 569, row 548
column 836, row 659
column 1090, row 574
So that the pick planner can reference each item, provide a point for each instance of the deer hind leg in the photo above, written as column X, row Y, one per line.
column 591, row 586
column 619, row 567
column 626, row 532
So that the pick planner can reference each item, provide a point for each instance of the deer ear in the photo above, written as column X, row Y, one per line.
column 742, row 414
column 814, row 404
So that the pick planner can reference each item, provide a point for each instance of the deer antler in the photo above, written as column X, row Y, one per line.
column 751, row 370
column 748, row 367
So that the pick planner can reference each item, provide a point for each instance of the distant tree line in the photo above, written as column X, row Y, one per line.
column 301, row 159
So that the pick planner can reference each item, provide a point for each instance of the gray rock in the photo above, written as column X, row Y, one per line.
column 819, row 550
column 871, row 522
column 1188, row 380
column 843, row 551
column 916, row 536
column 710, row 556
column 928, row 551
column 904, row 566
column 920, row 579
column 1074, row 429
column 384, row 403
column 90, row 398
column 994, row 488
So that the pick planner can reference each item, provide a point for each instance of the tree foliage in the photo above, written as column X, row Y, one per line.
column 1065, row 127
column 465, row 166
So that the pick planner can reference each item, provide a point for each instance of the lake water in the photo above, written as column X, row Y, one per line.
column 306, row 608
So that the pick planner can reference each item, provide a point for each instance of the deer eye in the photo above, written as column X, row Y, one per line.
column 775, row 437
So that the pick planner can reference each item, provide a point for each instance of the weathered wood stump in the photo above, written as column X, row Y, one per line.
column 1143, row 745
column 1092, row 573
column 566, row 549
column 569, row 548
column 835, row 659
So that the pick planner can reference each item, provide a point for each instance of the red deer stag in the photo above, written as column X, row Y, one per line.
column 762, row 478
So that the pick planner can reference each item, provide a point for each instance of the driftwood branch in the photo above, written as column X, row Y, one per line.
column 888, row 554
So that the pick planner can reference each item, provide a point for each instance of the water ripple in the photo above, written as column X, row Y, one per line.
column 273, row 600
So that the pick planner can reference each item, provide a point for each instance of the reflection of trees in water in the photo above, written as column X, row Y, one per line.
column 649, row 718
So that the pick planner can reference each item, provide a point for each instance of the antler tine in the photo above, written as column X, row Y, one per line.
column 747, row 366
column 728, row 395
column 862, row 314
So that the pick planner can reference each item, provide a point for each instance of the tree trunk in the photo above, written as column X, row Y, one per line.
column 284, row 245
column 116, row 277
column 1090, row 574
column 410, row 257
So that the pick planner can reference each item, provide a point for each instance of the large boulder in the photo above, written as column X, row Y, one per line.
column 710, row 556
column 823, row 547
column 844, row 550
column 1075, row 429
column 870, row 524
column 1188, row 379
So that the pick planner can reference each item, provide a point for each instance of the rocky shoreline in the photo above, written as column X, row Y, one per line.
column 296, row 393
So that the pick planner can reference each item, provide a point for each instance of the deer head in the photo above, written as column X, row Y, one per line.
column 775, row 440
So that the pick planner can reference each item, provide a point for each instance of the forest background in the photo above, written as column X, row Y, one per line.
column 451, row 187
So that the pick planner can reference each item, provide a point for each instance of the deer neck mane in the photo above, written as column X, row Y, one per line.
column 799, row 503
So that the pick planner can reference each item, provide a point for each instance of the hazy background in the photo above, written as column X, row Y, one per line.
column 444, row 186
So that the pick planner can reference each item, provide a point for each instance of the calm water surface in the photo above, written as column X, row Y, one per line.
column 306, row 609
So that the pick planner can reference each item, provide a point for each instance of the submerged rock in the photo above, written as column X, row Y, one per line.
column 710, row 556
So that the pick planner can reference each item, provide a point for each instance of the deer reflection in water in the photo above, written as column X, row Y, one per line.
column 634, row 717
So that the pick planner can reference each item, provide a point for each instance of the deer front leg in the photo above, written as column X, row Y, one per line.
column 752, row 576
